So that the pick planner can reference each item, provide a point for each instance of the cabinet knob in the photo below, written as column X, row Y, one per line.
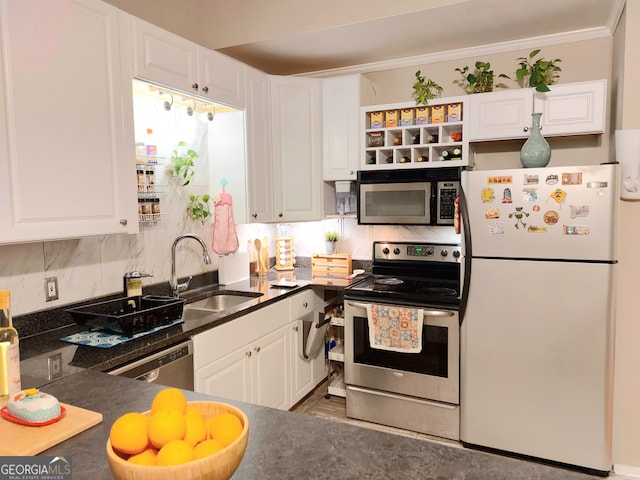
column 295, row 329
column 257, row 349
column 305, row 304
column 205, row 89
column 280, row 214
column 248, row 354
column 194, row 86
column 351, row 172
column 123, row 221
column 255, row 215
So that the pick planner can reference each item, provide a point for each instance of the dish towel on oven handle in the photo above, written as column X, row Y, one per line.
column 394, row 328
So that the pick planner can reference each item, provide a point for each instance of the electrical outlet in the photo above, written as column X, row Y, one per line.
column 55, row 366
column 51, row 288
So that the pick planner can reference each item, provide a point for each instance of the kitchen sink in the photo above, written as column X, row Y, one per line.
column 221, row 301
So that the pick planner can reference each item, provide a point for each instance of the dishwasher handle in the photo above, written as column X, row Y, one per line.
column 150, row 377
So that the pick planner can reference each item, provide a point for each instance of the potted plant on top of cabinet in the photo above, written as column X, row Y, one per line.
column 425, row 89
column 539, row 74
column 480, row 80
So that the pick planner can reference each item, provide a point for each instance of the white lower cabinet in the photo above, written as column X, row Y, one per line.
column 255, row 359
column 305, row 373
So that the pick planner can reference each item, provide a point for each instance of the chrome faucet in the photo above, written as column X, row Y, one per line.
column 176, row 287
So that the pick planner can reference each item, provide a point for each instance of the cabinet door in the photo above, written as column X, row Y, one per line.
column 64, row 168
column 270, row 369
column 297, row 148
column 228, row 377
column 499, row 115
column 221, row 78
column 162, row 57
column 573, row 108
column 340, row 119
column 259, row 160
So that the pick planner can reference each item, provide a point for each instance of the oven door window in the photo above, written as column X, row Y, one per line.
column 395, row 203
column 433, row 360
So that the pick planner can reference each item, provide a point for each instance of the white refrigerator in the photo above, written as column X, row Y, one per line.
column 537, row 330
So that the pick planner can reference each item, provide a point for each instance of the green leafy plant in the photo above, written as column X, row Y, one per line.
column 331, row 236
column 539, row 74
column 198, row 208
column 425, row 89
column 480, row 80
column 182, row 163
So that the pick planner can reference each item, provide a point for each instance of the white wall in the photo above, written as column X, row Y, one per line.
column 626, row 440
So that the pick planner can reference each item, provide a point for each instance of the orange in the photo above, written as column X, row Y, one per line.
column 146, row 457
column 206, row 448
column 196, row 429
column 128, row 433
column 174, row 453
column 166, row 425
column 225, row 428
column 169, row 398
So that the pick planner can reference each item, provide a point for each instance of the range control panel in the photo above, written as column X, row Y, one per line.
column 416, row 252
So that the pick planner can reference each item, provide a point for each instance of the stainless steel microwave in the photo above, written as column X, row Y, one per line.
column 421, row 196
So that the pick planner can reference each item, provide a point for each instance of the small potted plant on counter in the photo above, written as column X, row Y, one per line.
column 330, row 239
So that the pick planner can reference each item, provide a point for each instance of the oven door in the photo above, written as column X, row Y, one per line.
column 406, row 203
column 431, row 374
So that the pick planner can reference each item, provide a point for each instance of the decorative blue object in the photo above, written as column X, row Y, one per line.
column 536, row 151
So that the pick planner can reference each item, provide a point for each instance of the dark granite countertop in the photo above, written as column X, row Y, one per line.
column 285, row 445
column 36, row 349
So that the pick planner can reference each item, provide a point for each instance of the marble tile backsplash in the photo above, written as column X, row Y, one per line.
column 93, row 266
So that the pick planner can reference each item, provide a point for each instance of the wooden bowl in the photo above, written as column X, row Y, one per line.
column 219, row 466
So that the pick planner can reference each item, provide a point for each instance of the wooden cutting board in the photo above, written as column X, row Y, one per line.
column 24, row 440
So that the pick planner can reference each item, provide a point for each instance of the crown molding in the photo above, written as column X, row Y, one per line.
column 480, row 50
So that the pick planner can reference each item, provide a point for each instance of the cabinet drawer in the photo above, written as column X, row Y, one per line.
column 302, row 303
column 337, row 264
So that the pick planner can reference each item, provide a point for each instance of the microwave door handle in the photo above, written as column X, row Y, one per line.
column 430, row 313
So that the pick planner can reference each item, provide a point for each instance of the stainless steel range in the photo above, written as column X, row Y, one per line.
column 416, row 391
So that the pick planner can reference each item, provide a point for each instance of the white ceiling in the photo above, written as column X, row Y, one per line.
column 445, row 32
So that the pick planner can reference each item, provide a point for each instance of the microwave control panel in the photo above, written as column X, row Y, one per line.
column 446, row 196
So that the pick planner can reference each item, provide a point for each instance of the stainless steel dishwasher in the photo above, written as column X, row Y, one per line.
column 172, row 367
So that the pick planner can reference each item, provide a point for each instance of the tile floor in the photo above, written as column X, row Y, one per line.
column 334, row 408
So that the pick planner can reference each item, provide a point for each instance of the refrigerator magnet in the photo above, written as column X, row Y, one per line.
column 506, row 196
column 551, row 179
column 496, row 229
column 488, row 195
column 575, row 229
column 558, row 195
column 573, row 178
column 491, row 213
column 579, row 211
column 536, row 229
column 529, row 195
column 550, row 217
column 519, row 215
column 499, row 179
column 530, row 179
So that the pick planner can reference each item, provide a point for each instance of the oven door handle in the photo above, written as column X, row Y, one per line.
column 429, row 313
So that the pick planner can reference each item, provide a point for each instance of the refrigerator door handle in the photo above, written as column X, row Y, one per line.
column 466, row 232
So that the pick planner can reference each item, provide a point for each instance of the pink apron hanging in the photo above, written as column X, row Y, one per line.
column 225, row 239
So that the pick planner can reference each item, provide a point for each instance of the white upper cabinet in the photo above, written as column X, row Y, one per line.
column 64, row 169
column 296, row 105
column 167, row 59
column 259, row 161
column 573, row 108
column 221, row 78
column 162, row 57
column 341, row 120
column 568, row 109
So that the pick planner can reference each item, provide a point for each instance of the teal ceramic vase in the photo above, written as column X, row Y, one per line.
column 536, row 151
